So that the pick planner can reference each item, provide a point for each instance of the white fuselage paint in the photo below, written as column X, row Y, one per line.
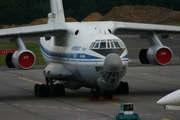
column 72, row 51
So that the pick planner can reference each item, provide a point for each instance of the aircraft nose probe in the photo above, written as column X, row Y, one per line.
column 112, row 62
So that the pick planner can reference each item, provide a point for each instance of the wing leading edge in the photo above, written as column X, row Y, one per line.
column 46, row 30
column 128, row 28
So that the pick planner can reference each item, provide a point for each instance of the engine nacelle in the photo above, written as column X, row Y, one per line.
column 22, row 59
column 158, row 55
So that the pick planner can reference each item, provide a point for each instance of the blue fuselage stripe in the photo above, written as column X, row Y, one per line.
column 78, row 56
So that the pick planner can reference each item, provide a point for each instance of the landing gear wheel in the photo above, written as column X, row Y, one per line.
column 108, row 95
column 119, row 89
column 60, row 90
column 49, row 89
column 92, row 94
column 123, row 88
column 54, row 90
column 105, row 95
column 41, row 90
column 36, row 87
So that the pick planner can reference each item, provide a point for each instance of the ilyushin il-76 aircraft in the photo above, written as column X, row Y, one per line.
column 85, row 54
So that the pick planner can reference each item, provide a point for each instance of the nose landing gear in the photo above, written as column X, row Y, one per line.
column 96, row 95
column 123, row 88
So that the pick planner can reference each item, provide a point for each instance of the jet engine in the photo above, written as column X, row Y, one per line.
column 22, row 59
column 157, row 55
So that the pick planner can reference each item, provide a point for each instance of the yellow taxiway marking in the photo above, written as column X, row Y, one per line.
column 117, row 104
column 165, row 119
column 32, row 81
column 82, row 99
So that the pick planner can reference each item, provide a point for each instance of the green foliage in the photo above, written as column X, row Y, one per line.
column 22, row 11
column 25, row 11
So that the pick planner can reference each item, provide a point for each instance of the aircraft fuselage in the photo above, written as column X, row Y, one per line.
column 83, row 53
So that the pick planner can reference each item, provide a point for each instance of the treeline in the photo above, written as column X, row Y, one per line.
column 25, row 11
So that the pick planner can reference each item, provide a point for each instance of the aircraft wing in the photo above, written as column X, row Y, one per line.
column 46, row 30
column 127, row 28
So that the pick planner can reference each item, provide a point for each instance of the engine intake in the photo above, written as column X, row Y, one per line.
column 158, row 55
column 23, row 59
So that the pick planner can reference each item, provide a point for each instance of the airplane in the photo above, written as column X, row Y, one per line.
column 85, row 54
column 171, row 101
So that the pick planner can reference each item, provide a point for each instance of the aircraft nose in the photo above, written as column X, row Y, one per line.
column 112, row 62
column 162, row 101
column 170, row 99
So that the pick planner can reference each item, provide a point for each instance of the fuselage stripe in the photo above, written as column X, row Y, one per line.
column 78, row 57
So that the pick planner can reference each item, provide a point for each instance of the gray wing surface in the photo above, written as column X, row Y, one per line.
column 46, row 30
column 128, row 28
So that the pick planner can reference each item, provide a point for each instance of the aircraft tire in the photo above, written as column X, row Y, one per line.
column 54, row 90
column 41, row 90
column 36, row 86
column 105, row 95
column 110, row 94
column 119, row 89
column 92, row 93
column 47, row 91
column 62, row 90
column 96, row 95
column 125, row 88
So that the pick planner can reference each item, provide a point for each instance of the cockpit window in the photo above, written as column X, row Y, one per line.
column 107, row 44
column 97, row 45
column 103, row 45
column 122, row 44
column 116, row 44
column 112, row 45
column 92, row 45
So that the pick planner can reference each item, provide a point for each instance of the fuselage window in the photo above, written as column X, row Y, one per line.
column 103, row 45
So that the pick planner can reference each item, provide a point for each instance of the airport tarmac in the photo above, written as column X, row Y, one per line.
column 147, row 85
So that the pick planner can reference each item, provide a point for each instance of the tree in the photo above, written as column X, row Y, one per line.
column 25, row 11
column 10, row 12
